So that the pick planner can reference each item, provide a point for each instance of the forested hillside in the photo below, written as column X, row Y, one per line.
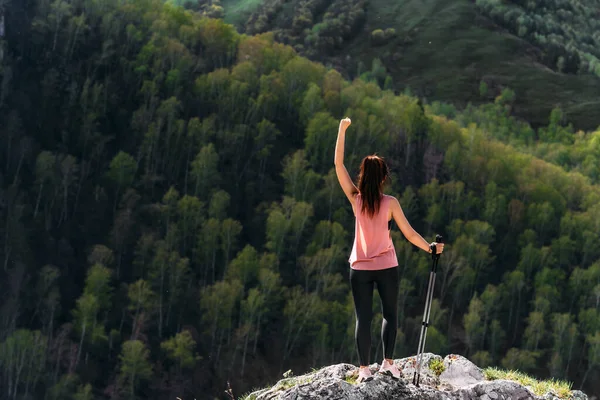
column 171, row 220
column 567, row 30
column 545, row 50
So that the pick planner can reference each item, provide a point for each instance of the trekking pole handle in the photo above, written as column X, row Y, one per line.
column 434, row 254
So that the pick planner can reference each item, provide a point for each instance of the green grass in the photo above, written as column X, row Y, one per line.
column 561, row 388
column 437, row 366
column 351, row 379
column 287, row 383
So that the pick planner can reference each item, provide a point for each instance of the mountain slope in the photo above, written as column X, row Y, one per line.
column 441, row 50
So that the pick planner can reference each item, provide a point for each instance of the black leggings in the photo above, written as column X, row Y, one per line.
column 362, row 283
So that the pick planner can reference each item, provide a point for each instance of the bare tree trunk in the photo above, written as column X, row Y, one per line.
column 7, row 248
column 18, row 377
column 244, row 353
column 84, row 168
column 160, row 307
column 214, row 264
column 51, row 324
column 7, row 251
column 257, row 334
column 170, row 304
column 19, row 167
column 219, row 348
column 510, row 310
column 585, row 376
column 9, row 377
column 65, row 210
column 450, row 318
column 39, row 197
column 72, row 50
column 517, row 316
column 80, row 344
column 58, row 358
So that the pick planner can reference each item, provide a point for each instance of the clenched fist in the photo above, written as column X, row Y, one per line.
column 345, row 123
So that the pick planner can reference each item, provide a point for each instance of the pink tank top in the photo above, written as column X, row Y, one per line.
column 373, row 248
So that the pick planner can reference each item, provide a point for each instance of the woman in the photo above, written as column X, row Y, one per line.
column 373, row 258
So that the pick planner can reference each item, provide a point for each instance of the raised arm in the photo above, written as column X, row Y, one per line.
column 340, row 169
column 409, row 233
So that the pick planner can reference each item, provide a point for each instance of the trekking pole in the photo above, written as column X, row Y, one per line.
column 435, row 257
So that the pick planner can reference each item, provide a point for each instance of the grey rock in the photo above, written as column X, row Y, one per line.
column 460, row 372
column 575, row 395
column 501, row 388
column 339, row 371
column 408, row 366
column 579, row 395
column 462, row 380
column 326, row 388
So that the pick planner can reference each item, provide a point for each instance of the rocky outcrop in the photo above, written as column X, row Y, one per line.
column 460, row 380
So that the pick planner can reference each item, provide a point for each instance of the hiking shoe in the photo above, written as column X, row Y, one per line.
column 389, row 368
column 364, row 375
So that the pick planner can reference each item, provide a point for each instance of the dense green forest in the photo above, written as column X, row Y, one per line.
column 172, row 224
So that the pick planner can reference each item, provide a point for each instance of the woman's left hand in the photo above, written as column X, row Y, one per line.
column 439, row 247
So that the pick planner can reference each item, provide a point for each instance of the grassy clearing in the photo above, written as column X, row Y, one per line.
column 561, row 388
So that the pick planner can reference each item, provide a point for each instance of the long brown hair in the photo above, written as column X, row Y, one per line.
column 373, row 173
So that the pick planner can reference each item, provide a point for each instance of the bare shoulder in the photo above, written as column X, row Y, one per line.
column 393, row 200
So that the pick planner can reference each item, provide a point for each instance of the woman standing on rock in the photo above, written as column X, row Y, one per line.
column 373, row 258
